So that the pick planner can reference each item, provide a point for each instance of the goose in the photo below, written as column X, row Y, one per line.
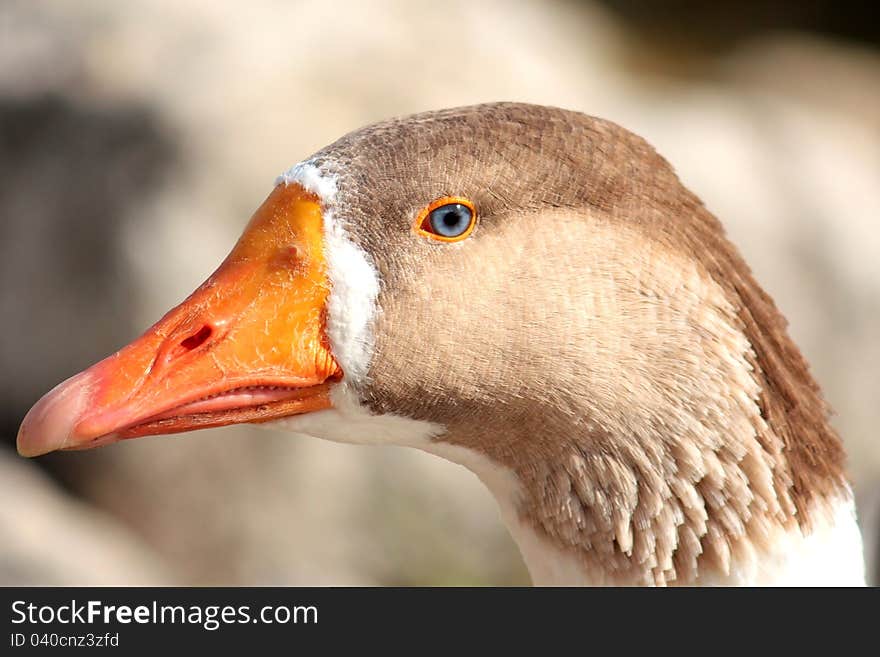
column 531, row 293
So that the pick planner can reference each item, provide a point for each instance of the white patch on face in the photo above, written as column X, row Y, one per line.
column 351, row 308
column 311, row 178
column 354, row 281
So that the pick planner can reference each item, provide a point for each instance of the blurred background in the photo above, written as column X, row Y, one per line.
column 137, row 137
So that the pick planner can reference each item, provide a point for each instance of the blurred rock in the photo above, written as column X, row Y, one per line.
column 723, row 24
column 73, row 175
column 48, row 539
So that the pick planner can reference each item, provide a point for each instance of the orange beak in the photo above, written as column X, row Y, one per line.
column 247, row 346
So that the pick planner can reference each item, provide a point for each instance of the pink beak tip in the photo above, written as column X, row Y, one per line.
column 49, row 424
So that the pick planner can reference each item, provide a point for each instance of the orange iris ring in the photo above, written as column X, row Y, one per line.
column 422, row 224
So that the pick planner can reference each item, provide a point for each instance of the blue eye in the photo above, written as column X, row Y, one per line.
column 450, row 220
column 447, row 219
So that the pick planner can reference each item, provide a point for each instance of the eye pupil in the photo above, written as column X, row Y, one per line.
column 451, row 220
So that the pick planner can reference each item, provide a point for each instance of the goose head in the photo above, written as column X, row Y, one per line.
column 529, row 292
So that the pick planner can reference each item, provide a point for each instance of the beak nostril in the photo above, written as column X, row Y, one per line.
column 188, row 344
column 197, row 339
